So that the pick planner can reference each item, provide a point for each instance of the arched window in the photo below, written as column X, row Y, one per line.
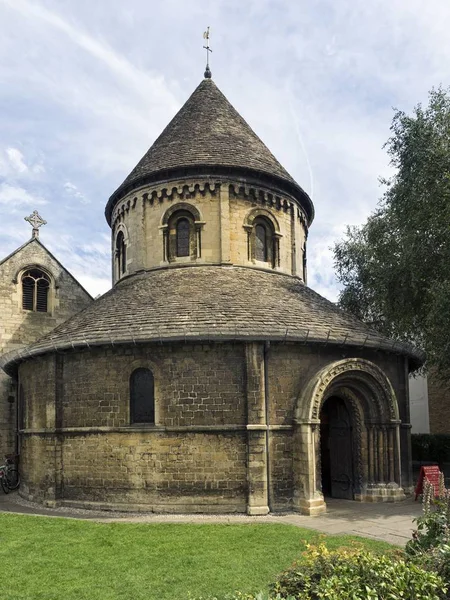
column 142, row 396
column 121, row 254
column 263, row 241
column 35, row 288
column 183, row 237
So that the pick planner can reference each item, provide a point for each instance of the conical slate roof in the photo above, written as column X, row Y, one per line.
column 207, row 132
column 210, row 303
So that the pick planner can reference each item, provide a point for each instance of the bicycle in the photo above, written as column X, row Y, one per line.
column 9, row 475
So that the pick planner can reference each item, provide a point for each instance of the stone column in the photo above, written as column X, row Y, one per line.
column 225, row 228
column 258, row 503
column 370, row 455
column 380, row 449
column 308, row 499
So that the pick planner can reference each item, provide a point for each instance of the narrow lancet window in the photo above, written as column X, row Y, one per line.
column 121, row 254
column 183, row 235
column 261, row 243
column 142, row 396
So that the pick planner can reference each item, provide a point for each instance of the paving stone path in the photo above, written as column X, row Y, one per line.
column 390, row 522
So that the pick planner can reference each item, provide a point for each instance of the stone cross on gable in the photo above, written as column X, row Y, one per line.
column 35, row 220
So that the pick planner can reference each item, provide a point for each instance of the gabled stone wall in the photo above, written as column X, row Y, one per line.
column 20, row 327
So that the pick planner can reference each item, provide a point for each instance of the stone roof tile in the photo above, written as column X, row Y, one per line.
column 211, row 303
column 207, row 131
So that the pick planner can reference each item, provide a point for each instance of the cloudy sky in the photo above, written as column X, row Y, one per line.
column 87, row 85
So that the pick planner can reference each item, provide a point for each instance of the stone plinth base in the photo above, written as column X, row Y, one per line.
column 257, row 510
column 381, row 493
column 312, row 507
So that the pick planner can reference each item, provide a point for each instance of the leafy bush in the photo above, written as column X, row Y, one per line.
column 357, row 575
column 436, row 559
column 430, row 545
column 433, row 527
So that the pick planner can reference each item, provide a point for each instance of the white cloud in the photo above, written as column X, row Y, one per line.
column 72, row 190
column 94, row 285
column 14, row 196
column 16, row 160
column 89, row 85
column 14, row 166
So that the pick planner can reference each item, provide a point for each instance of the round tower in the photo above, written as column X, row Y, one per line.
column 210, row 378
column 209, row 191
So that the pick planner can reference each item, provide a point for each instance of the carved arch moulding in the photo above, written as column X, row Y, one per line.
column 261, row 212
column 181, row 206
column 315, row 393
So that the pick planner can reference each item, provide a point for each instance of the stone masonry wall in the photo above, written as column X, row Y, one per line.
column 438, row 405
column 195, row 454
column 19, row 327
column 207, row 451
column 223, row 236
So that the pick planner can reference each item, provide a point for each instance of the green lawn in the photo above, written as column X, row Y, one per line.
column 59, row 559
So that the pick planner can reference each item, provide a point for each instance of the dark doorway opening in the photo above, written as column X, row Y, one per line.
column 336, row 449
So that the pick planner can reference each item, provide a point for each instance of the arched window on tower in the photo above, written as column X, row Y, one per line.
column 261, row 245
column 142, row 396
column 183, row 228
column 263, row 241
column 35, row 290
column 182, row 238
column 121, row 254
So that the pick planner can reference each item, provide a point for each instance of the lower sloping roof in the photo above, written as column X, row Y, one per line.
column 211, row 303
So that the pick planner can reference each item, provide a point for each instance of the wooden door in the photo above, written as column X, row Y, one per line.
column 340, row 449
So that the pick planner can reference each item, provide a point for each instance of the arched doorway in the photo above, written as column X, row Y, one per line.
column 336, row 449
column 351, row 404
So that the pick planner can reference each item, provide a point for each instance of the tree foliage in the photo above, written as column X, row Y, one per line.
column 396, row 267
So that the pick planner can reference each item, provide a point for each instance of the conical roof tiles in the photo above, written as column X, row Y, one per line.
column 207, row 131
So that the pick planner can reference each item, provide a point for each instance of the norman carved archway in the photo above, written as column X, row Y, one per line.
column 373, row 409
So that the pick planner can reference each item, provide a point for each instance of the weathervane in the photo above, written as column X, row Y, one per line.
column 208, row 50
column 35, row 220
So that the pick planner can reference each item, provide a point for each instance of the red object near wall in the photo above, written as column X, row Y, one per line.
column 432, row 474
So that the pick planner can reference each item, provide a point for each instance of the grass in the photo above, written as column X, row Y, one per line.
column 61, row 559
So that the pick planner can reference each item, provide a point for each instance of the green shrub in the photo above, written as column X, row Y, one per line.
column 437, row 560
column 356, row 574
column 433, row 527
column 430, row 545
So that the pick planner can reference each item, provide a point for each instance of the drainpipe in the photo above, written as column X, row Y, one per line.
column 267, row 415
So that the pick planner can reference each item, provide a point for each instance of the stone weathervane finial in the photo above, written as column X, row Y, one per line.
column 208, row 50
column 35, row 220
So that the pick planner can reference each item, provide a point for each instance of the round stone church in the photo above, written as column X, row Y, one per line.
column 210, row 378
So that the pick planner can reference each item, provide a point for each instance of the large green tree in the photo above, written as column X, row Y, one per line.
column 395, row 268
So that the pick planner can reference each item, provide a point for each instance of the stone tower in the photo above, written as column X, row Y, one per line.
column 202, row 174
column 211, row 378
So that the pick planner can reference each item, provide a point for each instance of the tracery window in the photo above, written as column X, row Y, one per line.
column 142, row 396
column 121, row 254
column 35, row 290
